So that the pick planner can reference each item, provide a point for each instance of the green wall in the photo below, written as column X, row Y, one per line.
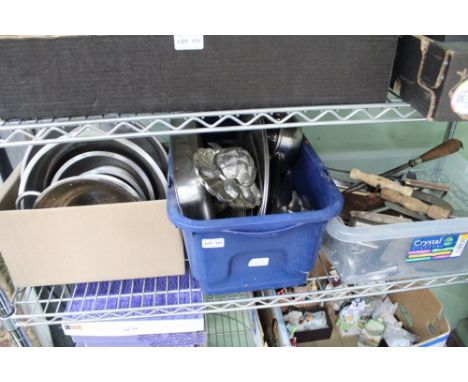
column 329, row 139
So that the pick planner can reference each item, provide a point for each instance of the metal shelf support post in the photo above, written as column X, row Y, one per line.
column 7, row 318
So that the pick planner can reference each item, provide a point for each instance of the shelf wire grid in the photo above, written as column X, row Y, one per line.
column 229, row 329
column 76, row 129
column 47, row 304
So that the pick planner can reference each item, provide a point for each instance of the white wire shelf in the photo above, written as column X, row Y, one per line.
column 66, row 130
column 230, row 329
column 47, row 305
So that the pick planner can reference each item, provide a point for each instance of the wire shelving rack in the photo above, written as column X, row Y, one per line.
column 46, row 305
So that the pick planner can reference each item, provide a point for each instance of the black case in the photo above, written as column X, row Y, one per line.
column 91, row 75
column 431, row 76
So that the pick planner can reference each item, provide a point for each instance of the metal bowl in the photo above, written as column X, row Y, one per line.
column 41, row 168
column 120, row 174
column 31, row 151
column 86, row 190
column 153, row 147
column 108, row 163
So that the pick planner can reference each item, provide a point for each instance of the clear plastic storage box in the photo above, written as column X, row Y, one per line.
column 407, row 250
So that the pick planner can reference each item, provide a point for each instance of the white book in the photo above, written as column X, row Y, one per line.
column 134, row 327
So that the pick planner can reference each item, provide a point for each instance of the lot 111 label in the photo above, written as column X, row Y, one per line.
column 437, row 247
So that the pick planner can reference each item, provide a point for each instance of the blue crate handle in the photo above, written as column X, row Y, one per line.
column 263, row 233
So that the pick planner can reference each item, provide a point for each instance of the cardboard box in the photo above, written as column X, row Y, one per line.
column 422, row 314
column 87, row 243
column 420, row 311
column 433, row 76
column 89, row 75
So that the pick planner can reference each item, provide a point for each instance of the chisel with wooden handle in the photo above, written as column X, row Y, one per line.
column 376, row 180
column 446, row 148
column 428, row 185
column 413, row 204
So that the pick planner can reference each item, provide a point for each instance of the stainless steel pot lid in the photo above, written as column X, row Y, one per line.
column 110, row 162
column 86, row 190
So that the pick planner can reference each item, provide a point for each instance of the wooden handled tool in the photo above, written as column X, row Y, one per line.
column 428, row 185
column 376, row 180
column 448, row 147
column 370, row 218
column 413, row 204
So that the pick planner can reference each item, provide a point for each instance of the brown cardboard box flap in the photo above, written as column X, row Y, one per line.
column 421, row 312
column 88, row 243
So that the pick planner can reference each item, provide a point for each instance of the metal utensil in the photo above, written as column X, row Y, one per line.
column 432, row 200
column 90, row 160
column 427, row 185
column 404, row 211
column 86, row 190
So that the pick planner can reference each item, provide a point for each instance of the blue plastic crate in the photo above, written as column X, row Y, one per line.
column 260, row 252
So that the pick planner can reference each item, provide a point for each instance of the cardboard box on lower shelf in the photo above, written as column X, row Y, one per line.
column 87, row 243
column 419, row 311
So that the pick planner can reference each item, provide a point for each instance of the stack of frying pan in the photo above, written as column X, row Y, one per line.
column 92, row 172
